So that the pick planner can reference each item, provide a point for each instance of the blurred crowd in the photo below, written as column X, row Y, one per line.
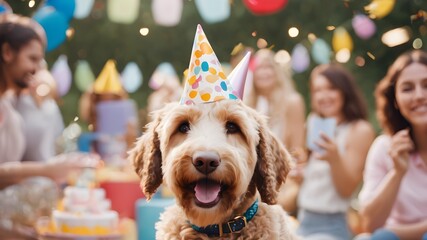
column 348, row 181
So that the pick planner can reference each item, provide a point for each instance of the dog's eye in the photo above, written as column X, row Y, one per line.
column 184, row 127
column 232, row 128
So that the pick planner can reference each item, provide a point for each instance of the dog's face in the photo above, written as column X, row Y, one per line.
column 212, row 156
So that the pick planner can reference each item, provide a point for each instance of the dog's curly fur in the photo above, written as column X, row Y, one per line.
column 253, row 163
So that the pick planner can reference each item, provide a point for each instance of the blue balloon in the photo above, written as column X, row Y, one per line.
column 321, row 51
column 65, row 7
column 5, row 8
column 213, row 11
column 2, row 9
column 55, row 25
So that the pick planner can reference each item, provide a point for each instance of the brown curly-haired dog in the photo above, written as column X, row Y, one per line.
column 217, row 159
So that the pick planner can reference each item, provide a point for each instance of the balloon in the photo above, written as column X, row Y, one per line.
column 213, row 11
column 163, row 72
column 54, row 24
column 300, row 58
column 380, row 8
column 363, row 26
column 321, row 51
column 123, row 11
column 131, row 77
column 83, row 75
column 5, row 8
column 264, row 7
column 173, row 8
column 83, row 8
column 62, row 74
column 341, row 40
column 65, row 7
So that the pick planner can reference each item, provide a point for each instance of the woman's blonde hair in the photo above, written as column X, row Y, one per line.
column 284, row 83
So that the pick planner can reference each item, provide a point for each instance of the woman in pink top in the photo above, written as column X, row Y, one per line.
column 394, row 195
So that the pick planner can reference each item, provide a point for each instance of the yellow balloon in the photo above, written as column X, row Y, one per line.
column 341, row 39
column 380, row 8
column 108, row 80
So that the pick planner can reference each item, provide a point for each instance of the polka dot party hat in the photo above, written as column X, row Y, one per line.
column 205, row 81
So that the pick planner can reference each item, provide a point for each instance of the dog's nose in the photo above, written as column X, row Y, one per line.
column 206, row 162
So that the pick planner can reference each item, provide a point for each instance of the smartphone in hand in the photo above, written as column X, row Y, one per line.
column 316, row 125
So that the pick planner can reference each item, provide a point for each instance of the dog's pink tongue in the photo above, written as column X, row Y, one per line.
column 207, row 191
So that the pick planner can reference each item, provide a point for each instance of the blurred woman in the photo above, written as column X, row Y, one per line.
column 24, row 197
column 37, row 106
column 393, row 199
column 333, row 173
column 273, row 94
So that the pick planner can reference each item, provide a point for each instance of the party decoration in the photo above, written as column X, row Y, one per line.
column 238, row 76
column 421, row 15
column 83, row 8
column 206, row 81
column 123, row 11
column 83, row 75
column 341, row 39
column 300, row 59
column 265, row 7
column 321, row 51
column 62, row 74
column 65, row 7
column 380, row 8
column 164, row 72
column 55, row 25
column 173, row 8
column 108, row 80
column 131, row 77
column 363, row 26
column 213, row 11
column 5, row 8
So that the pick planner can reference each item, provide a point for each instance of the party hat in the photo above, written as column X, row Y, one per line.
column 237, row 77
column 206, row 81
column 108, row 80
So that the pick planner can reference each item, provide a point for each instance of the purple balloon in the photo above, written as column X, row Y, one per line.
column 363, row 26
column 62, row 74
column 300, row 58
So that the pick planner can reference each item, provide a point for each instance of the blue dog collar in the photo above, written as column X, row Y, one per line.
column 234, row 225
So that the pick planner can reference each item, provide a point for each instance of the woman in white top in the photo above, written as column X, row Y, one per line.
column 37, row 107
column 333, row 173
column 21, row 50
column 273, row 94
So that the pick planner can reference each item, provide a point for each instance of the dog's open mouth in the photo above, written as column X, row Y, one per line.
column 207, row 193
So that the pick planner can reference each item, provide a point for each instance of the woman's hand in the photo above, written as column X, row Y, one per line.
column 299, row 157
column 400, row 148
column 62, row 166
column 329, row 151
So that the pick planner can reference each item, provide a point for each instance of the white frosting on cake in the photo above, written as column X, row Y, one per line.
column 86, row 211
column 85, row 200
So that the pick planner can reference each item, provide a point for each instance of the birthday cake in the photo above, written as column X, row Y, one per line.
column 85, row 211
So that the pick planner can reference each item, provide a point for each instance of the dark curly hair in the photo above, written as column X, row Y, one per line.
column 388, row 114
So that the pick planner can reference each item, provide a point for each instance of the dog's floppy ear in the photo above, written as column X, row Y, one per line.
column 147, row 158
column 273, row 164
